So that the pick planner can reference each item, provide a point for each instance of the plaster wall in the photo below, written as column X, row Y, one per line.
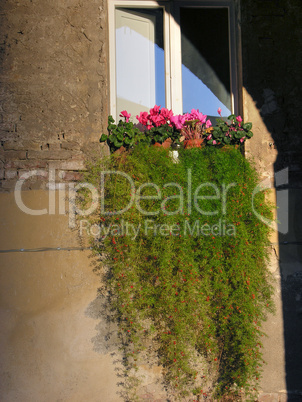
column 53, row 96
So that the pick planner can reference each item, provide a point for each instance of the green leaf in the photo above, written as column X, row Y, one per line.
column 247, row 126
column 128, row 126
column 117, row 143
column 112, row 137
column 238, row 134
column 127, row 141
column 129, row 134
column 232, row 117
column 120, row 137
column 103, row 138
column 249, row 134
column 110, row 119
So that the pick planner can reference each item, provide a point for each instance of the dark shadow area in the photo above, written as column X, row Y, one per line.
column 271, row 45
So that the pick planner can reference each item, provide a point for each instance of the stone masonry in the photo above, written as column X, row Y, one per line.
column 53, row 96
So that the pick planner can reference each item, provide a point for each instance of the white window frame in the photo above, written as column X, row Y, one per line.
column 172, row 47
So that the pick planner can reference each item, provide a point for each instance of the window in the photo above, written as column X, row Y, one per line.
column 178, row 54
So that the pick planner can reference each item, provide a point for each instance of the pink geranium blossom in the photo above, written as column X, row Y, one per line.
column 208, row 123
column 178, row 121
column 219, row 111
column 125, row 114
column 156, row 117
column 239, row 119
column 143, row 118
column 166, row 114
column 154, row 110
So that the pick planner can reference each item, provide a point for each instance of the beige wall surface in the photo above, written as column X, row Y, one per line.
column 52, row 332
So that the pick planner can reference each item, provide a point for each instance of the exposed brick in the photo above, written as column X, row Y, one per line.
column 56, row 186
column 5, row 136
column 53, row 146
column 21, row 145
column 50, row 155
column 70, row 176
column 34, row 185
column 9, row 127
column 76, row 164
column 14, row 155
column 33, row 174
column 10, row 174
column 8, row 184
column 25, row 164
column 72, row 145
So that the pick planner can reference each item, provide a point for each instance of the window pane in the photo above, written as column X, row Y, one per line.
column 140, row 64
column 205, row 60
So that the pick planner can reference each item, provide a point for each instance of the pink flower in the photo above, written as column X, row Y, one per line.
column 239, row 119
column 242, row 139
column 196, row 115
column 157, row 120
column 209, row 137
column 166, row 114
column 143, row 118
column 178, row 121
column 155, row 110
column 219, row 111
column 125, row 114
column 214, row 142
column 208, row 123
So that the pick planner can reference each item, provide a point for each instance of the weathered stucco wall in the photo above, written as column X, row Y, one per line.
column 53, row 99
column 272, row 81
column 272, row 56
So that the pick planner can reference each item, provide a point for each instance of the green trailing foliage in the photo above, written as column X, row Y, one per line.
column 123, row 134
column 162, row 133
column 231, row 132
column 191, row 277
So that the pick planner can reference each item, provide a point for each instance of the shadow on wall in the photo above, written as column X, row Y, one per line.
column 271, row 45
column 106, row 340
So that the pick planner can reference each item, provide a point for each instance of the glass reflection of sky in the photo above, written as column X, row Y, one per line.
column 160, row 93
column 132, row 51
column 196, row 95
column 133, row 75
